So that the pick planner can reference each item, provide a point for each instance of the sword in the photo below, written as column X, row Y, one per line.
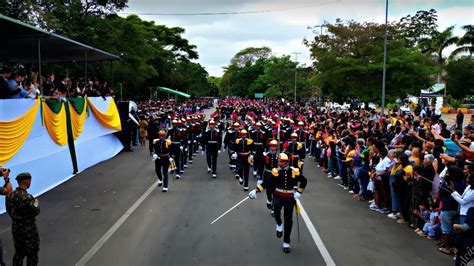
column 297, row 220
column 240, row 202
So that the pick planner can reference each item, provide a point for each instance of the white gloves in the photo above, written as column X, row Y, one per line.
column 265, row 154
column 259, row 182
column 253, row 194
column 302, row 162
column 297, row 195
column 251, row 157
column 171, row 160
column 219, row 151
column 307, row 150
column 202, row 152
column 155, row 156
column 233, row 156
column 181, row 147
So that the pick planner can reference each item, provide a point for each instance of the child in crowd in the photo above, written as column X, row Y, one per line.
column 432, row 226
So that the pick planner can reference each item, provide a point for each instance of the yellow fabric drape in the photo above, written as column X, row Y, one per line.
column 56, row 124
column 109, row 119
column 77, row 120
column 14, row 133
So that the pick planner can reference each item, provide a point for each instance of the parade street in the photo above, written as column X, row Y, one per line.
column 113, row 214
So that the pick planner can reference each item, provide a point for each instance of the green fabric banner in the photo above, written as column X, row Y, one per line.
column 77, row 103
column 54, row 105
column 70, row 139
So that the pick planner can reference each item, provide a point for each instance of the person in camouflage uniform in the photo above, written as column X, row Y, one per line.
column 23, row 209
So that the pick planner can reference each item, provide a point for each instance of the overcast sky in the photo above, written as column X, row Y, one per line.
column 218, row 38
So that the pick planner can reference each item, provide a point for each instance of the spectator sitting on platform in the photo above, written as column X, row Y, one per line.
column 5, row 72
column 61, row 83
column 15, row 85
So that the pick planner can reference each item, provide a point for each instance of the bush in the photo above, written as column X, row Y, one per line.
column 393, row 105
column 455, row 104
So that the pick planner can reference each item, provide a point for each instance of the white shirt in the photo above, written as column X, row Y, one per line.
column 465, row 201
column 383, row 165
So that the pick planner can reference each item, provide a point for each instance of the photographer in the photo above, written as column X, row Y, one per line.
column 5, row 190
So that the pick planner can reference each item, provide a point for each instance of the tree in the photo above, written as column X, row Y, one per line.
column 459, row 81
column 437, row 42
column 348, row 62
column 466, row 42
column 191, row 78
column 418, row 27
column 278, row 77
column 250, row 56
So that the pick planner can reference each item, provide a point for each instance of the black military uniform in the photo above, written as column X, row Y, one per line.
column 212, row 142
column 244, row 147
column 162, row 162
column 23, row 209
column 287, row 182
column 259, row 138
column 176, row 135
column 271, row 162
column 229, row 140
column 296, row 152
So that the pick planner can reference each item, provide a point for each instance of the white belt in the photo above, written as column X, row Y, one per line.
column 285, row 191
column 212, row 142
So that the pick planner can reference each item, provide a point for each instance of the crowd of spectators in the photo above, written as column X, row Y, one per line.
column 18, row 83
column 412, row 169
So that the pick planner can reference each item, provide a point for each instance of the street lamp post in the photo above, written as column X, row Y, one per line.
column 384, row 75
column 296, row 66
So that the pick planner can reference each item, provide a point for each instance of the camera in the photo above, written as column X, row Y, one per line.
column 4, row 170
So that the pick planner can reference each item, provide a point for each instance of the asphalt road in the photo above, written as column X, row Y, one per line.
column 174, row 228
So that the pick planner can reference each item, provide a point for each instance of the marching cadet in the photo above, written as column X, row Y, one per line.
column 259, row 138
column 244, row 148
column 161, row 158
column 176, row 136
column 295, row 150
column 23, row 209
column 184, row 154
column 230, row 136
column 303, row 135
column 191, row 138
column 271, row 162
column 289, row 185
column 211, row 143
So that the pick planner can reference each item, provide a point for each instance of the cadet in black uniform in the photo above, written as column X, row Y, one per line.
column 230, row 136
column 211, row 143
column 289, row 184
column 161, row 157
column 259, row 138
column 176, row 136
column 244, row 149
column 295, row 150
column 271, row 162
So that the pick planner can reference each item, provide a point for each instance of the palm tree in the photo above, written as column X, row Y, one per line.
column 465, row 43
column 437, row 43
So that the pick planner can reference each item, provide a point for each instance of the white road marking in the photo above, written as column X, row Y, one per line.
column 115, row 227
column 317, row 239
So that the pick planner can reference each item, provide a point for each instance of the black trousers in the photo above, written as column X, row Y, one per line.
column 211, row 156
column 191, row 148
column 184, row 155
column 258, row 163
column 161, row 169
column 231, row 161
column 270, row 189
column 26, row 243
column 243, row 168
column 287, row 204
column 176, row 153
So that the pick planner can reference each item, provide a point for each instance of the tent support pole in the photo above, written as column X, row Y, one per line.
column 85, row 67
column 39, row 67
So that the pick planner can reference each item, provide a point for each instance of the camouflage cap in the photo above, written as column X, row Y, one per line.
column 23, row 176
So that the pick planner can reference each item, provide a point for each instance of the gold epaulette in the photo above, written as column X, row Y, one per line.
column 155, row 141
column 295, row 172
column 237, row 141
column 299, row 146
column 249, row 141
column 275, row 171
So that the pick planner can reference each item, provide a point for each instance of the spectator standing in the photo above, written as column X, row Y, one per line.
column 459, row 120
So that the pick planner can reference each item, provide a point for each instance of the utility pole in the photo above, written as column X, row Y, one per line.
column 320, row 26
column 296, row 66
column 384, row 58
